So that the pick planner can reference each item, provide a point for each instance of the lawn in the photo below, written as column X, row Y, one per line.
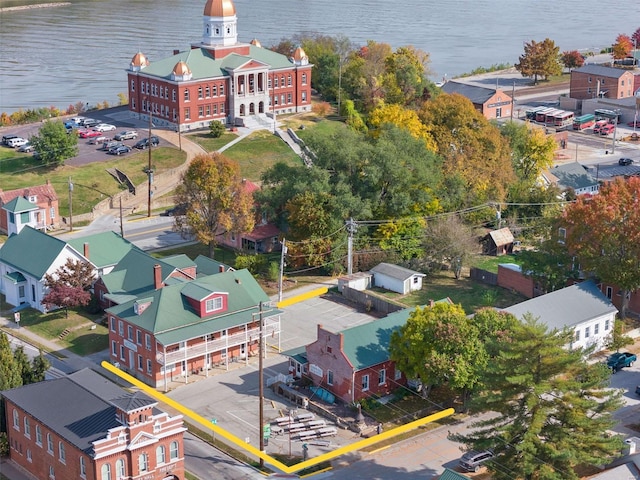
column 321, row 125
column 210, row 144
column 91, row 182
column 490, row 263
column 260, row 151
column 81, row 338
column 470, row 294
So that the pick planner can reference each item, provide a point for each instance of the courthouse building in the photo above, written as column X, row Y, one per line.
column 219, row 78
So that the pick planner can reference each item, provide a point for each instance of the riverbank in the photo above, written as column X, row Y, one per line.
column 37, row 5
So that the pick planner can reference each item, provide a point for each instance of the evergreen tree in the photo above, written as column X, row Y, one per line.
column 39, row 366
column 22, row 364
column 553, row 408
column 10, row 376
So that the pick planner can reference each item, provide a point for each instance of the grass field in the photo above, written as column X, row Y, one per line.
column 91, row 182
column 490, row 264
column 210, row 144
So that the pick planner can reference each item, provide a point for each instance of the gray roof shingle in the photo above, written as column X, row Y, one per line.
column 600, row 70
column 395, row 271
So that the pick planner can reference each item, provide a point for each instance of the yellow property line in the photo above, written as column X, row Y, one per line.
column 302, row 297
column 255, row 451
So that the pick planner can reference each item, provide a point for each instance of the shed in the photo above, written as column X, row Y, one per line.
column 360, row 281
column 396, row 278
column 498, row 242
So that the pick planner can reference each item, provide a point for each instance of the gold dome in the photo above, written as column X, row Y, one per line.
column 219, row 8
column 256, row 43
column 299, row 54
column 181, row 68
column 139, row 60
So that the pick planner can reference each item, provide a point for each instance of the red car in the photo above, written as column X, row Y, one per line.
column 634, row 123
column 90, row 133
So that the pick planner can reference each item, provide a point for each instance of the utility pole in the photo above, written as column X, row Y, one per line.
column 615, row 129
column 121, row 220
column 282, row 255
column 261, row 386
column 149, row 171
column 70, row 205
column 513, row 98
column 351, row 228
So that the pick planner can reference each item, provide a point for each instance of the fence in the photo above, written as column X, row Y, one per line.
column 483, row 276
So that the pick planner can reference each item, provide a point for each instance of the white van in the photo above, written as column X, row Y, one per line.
column 16, row 142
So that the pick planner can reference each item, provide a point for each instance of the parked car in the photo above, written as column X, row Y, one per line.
column 16, row 142
column 634, row 123
column 599, row 124
column 144, row 142
column 126, row 135
column 120, row 150
column 99, row 140
column 625, row 161
column 620, row 360
column 90, row 122
column 109, row 144
column 176, row 211
column 90, row 133
column 607, row 129
column 473, row 461
column 77, row 120
column 26, row 148
column 6, row 138
column 105, row 127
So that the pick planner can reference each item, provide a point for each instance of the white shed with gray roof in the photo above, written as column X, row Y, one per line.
column 581, row 307
column 396, row 278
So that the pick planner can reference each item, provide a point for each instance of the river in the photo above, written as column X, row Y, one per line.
column 80, row 51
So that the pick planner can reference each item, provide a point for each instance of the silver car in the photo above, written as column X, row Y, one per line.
column 472, row 461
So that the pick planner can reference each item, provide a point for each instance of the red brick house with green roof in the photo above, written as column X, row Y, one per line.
column 219, row 79
column 188, row 327
column 35, row 206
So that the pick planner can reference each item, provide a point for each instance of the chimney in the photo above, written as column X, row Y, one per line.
column 221, row 269
column 157, row 276
column 86, row 250
column 176, row 52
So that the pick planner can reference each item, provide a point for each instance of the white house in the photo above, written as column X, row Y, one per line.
column 581, row 307
column 397, row 279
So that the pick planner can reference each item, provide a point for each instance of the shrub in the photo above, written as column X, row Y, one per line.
column 216, row 129
column 254, row 263
column 321, row 108
column 273, row 271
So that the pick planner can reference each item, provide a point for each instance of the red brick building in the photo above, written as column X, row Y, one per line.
column 35, row 206
column 219, row 79
column 491, row 102
column 597, row 81
column 82, row 426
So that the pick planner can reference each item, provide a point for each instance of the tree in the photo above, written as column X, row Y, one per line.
column 540, row 59
column 635, row 37
column 407, row 75
column 216, row 129
column 604, row 233
column 402, row 237
column 617, row 339
column 439, row 345
column 53, row 144
column 532, row 150
column 10, row 375
column 473, row 150
column 352, row 117
column 68, row 287
column 552, row 408
column 403, row 118
column 448, row 241
column 216, row 199
column 572, row 59
column 622, row 48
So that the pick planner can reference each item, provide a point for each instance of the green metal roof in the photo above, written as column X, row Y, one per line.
column 208, row 266
column 31, row 251
column 15, row 277
column 180, row 261
column 134, row 274
column 203, row 65
column 105, row 249
column 451, row 475
column 299, row 354
column 368, row 344
column 18, row 205
column 171, row 318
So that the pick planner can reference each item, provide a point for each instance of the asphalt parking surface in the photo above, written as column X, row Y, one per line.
column 230, row 398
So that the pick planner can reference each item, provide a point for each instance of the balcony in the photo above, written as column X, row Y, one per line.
column 271, row 327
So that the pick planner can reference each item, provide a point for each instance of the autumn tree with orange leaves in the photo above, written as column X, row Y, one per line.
column 604, row 233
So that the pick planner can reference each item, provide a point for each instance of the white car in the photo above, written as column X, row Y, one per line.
column 16, row 142
column 104, row 127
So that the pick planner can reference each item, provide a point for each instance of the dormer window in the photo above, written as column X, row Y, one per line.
column 213, row 304
column 34, row 199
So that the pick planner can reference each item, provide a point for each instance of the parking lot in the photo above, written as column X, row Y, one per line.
column 230, row 398
column 89, row 153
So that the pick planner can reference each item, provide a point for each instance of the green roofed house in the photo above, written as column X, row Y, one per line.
column 185, row 328
column 449, row 474
column 35, row 206
column 219, row 79
column 354, row 363
column 26, row 258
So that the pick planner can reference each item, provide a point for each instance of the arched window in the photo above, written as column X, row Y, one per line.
column 83, row 467
column 304, row 79
column 120, row 473
column 143, row 462
column 160, row 454
column 173, row 450
column 62, row 455
column 105, row 471
column 16, row 420
column 186, row 94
